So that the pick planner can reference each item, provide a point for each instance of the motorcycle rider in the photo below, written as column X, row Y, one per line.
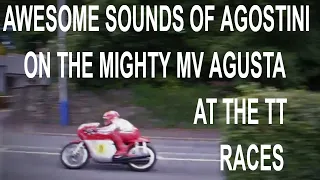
column 118, row 130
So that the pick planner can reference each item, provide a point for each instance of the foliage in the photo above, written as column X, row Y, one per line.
column 299, row 49
column 52, row 47
column 299, row 135
column 3, row 50
column 174, row 104
column 300, row 55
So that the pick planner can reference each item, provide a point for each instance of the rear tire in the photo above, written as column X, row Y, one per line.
column 83, row 151
column 149, row 165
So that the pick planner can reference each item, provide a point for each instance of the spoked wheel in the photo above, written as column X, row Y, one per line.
column 73, row 160
column 145, row 164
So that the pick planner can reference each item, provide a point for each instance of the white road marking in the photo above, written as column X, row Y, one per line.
column 30, row 152
column 5, row 110
column 184, row 159
column 191, row 154
column 31, row 147
column 175, row 147
column 5, row 150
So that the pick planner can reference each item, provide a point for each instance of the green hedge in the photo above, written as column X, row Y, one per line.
column 299, row 135
column 175, row 105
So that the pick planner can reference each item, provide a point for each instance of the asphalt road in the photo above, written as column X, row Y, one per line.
column 35, row 157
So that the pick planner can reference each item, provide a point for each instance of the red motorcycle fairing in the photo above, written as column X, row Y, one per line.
column 84, row 135
column 143, row 139
column 76, row 141
column 139, row 140
column 130, row 143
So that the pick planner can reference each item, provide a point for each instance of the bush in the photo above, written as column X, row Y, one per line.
column 174, row 104
column 3, row 50
column 299, row 135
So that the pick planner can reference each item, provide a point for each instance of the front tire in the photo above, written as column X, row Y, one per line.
column 83, row 152
column 148, row 166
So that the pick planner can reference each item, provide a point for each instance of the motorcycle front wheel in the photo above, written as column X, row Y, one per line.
column 74, row 161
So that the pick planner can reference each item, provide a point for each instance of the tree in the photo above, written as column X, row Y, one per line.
column 299, row 49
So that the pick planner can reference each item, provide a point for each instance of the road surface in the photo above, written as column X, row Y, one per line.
column 35, row 157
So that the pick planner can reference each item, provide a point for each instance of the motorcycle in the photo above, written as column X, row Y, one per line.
column 76, row 154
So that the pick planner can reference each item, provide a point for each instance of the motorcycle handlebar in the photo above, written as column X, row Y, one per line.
column 90, row 130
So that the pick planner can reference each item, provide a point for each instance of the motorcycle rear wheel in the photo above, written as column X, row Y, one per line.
column 148, row 166
column 82, row 151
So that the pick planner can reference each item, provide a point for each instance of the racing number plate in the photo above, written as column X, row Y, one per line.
column 100, row 148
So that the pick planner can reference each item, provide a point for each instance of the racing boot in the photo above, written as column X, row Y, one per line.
column 122, row 149
column 121, row 152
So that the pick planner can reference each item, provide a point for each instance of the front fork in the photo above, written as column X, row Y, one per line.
column 142, row 147
column 78, row 147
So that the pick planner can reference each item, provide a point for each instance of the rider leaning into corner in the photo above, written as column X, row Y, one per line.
column 119, row 130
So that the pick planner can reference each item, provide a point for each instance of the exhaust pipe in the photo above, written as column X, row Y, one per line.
column 130, row 159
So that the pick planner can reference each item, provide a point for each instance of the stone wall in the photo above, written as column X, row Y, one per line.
column 39, row 104
column 29, row 104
